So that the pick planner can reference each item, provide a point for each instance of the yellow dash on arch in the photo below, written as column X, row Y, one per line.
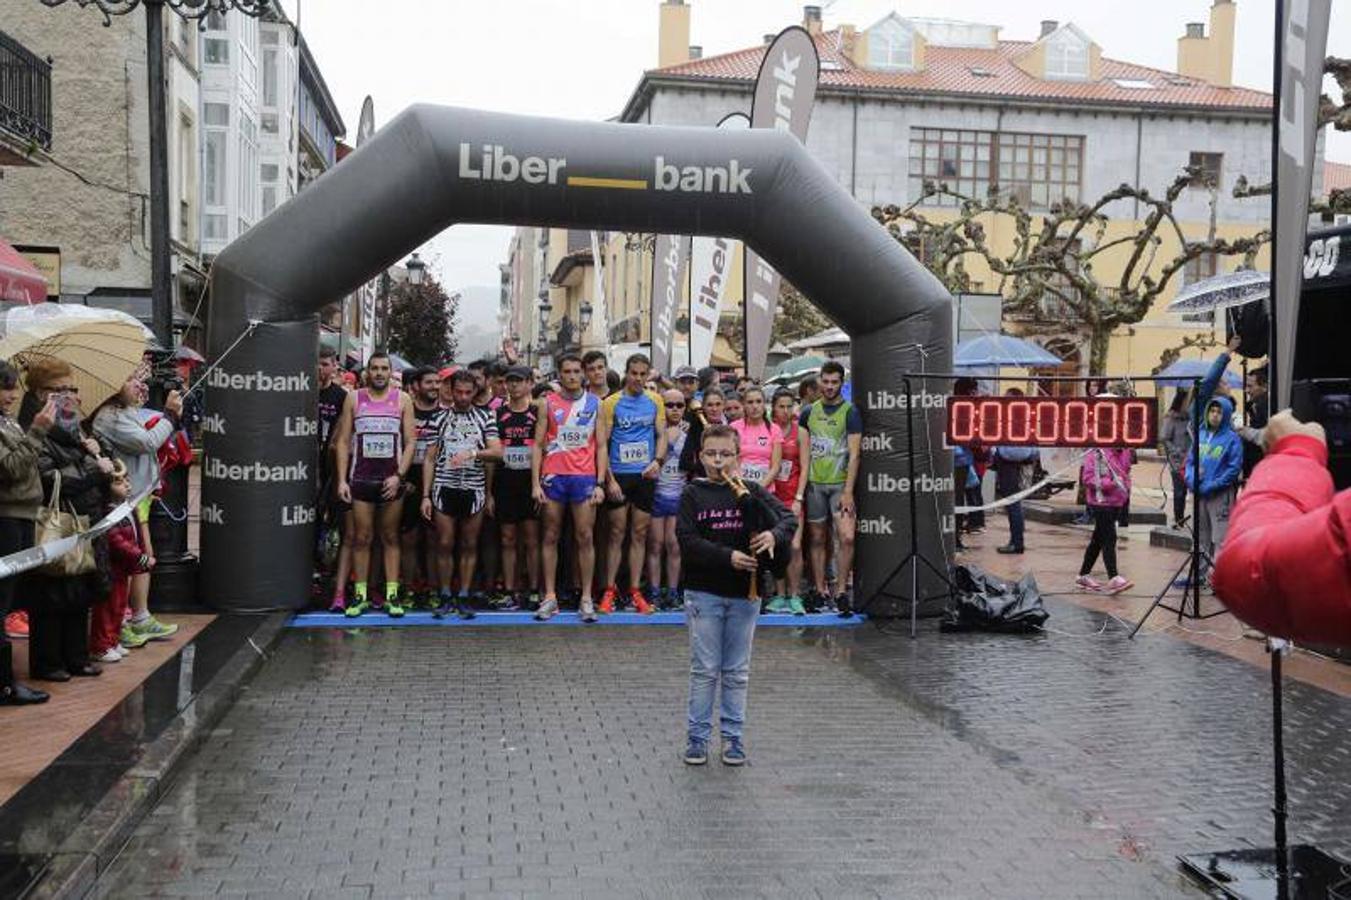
column 631, row 184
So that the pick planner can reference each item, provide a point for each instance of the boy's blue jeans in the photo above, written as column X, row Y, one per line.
column 721, row 632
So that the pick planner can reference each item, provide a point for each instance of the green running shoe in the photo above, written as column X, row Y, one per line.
column 357, row 609
column 795, row 606
column 779, row 605
column 131, row 639
column 153, row 629
column 393, row 607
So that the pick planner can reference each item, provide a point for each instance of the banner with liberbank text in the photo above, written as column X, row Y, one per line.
column 670, row 258
column 710, row 268
column 1303, row 42
column 784, row 93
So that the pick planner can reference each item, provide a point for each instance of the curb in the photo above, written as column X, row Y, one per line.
column 89, row 850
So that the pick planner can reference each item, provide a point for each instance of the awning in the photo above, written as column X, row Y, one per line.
column 20, row 281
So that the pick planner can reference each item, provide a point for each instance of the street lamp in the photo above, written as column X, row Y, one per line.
column 188, row 9
column 545, row 313
column 417, row 270
column 584, row 315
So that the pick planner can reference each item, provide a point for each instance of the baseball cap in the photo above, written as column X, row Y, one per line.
column 521, row 372
column 685, row 372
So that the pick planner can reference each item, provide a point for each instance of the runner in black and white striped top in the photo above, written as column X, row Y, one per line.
column 454, row 486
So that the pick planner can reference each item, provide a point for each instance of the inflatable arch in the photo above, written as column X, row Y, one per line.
column 433, row 167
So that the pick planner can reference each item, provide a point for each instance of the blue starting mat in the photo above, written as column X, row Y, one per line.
column 526, row 619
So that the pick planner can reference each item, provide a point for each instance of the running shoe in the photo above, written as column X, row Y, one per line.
column 607, row 600
column 640, row 603
column 532, row 602
column 733, row 754
column 548, row 608
column 16, row 625
column 795, row 606
column 122, row 651
column 844, row 605
column 503, row 603
column 444, row 608
column 357, row 609
column 1118, row 584
column 394, row 608
column 587, row 610
column 777, row 605
column 107, row 656
column 1088, row 583
column 464, row 609
column 129, row 638
column 696, row 752
column 339, row 604
column 154, row 629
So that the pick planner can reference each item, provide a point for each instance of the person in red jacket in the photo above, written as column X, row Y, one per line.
column 126, row 557
column 1285, row 567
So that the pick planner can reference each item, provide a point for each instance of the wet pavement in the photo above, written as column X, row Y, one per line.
column 533, row 762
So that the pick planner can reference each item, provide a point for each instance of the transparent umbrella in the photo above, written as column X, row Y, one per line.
column 1222, row 291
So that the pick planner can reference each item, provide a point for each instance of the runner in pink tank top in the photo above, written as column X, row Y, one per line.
column 374, row 443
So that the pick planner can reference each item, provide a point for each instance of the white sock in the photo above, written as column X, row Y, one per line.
column 139, row 617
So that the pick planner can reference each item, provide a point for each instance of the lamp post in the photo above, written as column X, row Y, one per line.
column 584, row 313
column 174, row 585
column 161, row 293
column 545, row 314
column 417, row 270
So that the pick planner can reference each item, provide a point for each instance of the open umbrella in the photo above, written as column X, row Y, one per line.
column 20, row 281
column 796, row 369
column 1183, row 372
column 1001, row 350
column 1222, row 291
column 103, row 346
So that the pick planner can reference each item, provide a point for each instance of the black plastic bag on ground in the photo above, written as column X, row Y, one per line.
column 982, row 602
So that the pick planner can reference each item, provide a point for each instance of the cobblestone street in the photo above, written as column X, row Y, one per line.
column 445, row 762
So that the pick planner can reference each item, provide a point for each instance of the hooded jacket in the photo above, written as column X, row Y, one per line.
column 1285, row 566
column 1106, row 476
column 1221, row 453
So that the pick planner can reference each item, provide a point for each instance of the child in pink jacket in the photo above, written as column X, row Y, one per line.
column 1106, row 476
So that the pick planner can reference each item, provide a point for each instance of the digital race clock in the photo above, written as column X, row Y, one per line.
column 1052, row 421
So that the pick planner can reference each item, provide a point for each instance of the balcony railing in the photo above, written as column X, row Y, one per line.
column 25, row 94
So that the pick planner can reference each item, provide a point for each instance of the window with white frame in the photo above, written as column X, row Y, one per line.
column 1066, row 56
column 1037, row 169
column 891, row 45
column 216, row 52
column 187, row 177
column 215, row 124
column 248, row 168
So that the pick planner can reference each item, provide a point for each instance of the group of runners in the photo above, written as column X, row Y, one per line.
column 569, row 487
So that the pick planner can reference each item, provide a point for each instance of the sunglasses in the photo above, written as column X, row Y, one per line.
column 675, row 406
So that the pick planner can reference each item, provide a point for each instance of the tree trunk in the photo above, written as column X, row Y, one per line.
column 1099, row 339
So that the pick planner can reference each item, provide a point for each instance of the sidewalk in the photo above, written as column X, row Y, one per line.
column 1055, row 552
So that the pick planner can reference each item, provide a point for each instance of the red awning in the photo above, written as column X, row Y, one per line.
column 20, row 281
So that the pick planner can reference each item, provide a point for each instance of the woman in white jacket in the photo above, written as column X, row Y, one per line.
column 135, row 438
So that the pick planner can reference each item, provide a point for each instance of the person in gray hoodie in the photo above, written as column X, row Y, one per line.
column 135, row 439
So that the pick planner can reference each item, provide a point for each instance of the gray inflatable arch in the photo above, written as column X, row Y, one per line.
column 433, row 167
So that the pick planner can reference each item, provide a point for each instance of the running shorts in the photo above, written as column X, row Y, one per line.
column 459, row 503
column 568, row 488
column 515, row 502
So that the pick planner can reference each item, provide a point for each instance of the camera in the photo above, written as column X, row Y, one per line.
column 1320, row 390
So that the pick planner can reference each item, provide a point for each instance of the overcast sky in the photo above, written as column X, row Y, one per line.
column 582, row 59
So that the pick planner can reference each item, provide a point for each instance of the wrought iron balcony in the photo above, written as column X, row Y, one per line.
column 25, row 94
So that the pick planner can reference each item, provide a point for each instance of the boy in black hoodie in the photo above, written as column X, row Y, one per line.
column 723, row 543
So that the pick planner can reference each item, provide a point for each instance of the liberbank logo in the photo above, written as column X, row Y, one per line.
column 494, row 162
column 260, row 381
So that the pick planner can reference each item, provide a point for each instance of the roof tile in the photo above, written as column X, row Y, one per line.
column 948, row 70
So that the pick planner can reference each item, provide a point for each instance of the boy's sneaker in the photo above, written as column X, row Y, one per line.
column 607, row 601
column 153, row 629
column 733, row 754
column 548, row 608
column 640, row 604
column 394, row 608
column 1088, row 583
column 107, row 656
column 696, row 752
column 844, row 605
column 16, row 625
column 357, row 609
column 795, row 606
column 586, row 608
column 131, row 639
column 1118, row 584
column 778, row 605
